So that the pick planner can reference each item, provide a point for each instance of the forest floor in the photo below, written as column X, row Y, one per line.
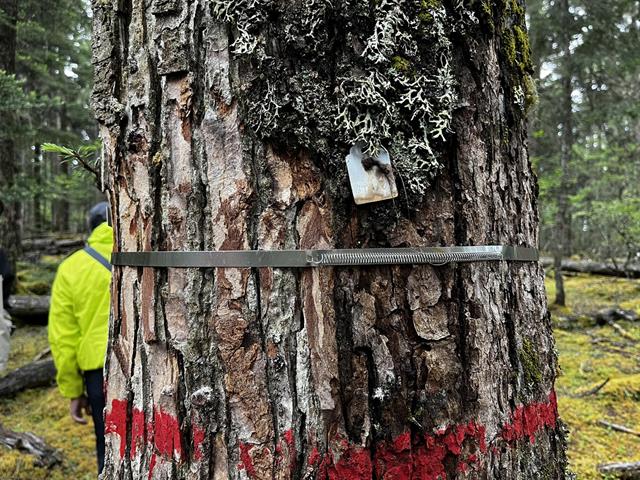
column 588, row 353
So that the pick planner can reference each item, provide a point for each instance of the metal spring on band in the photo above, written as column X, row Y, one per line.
column 381, row 258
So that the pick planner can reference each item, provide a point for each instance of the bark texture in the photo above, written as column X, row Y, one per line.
column 331, row 373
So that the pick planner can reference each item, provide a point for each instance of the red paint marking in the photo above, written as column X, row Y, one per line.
column 314, row 457
column 152, row 465
column 426, row 457
column 354, row 463
column 137, row 430
column 406, row 457
column 116, row 422
column 291, row 448
column 246, row 460
column 198, row 439
column 166, row 434
column 527, row 420
column 395, row 460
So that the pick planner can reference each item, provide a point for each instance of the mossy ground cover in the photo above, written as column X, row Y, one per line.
column 36, row 278
column 44, row 412
column 589, row 354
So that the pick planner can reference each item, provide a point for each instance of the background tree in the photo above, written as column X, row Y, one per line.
column 9, row 208
column 596, row 40
column 46, row 100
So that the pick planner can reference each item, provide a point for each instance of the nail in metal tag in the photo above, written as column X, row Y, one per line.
column 371, row 178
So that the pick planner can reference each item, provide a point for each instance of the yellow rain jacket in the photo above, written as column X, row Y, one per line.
column 79, row 313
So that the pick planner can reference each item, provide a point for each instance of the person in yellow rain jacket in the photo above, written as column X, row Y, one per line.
column 79, row 324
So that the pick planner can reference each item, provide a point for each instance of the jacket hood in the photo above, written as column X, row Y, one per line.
column 102, row 234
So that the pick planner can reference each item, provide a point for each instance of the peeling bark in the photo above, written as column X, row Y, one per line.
column 395, row 372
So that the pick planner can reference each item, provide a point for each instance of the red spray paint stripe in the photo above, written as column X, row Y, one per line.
column 198, row 439
column 314, row 457
column 165, row 429
column 246, row 460
column 527, row 420
column 291, row 446
column 354, row 463
column 137, row 431
column 421, row 457
column 166, row 434
column 116, row 422
column 152, row 464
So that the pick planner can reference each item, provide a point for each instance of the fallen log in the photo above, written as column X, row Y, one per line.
column 45, row 455
column 621, row 469
column 28, row 306
column 33, row 375
column 592, row 391
column 618, row 428
column 52, row 246
column 608, row 315
column 599, row 268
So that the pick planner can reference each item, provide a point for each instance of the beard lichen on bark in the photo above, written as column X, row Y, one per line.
column 324, row 76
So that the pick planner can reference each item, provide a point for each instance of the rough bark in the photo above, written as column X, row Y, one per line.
column 396, row 372
column 41, row 373
column 10, row 223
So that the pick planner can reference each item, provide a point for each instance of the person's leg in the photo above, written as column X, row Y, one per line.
column 93, row 381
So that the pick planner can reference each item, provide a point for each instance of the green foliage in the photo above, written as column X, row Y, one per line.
column 85, row 155
column 604, row 166
column 46, row 101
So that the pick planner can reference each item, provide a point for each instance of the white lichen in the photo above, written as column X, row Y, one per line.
column 378, row 77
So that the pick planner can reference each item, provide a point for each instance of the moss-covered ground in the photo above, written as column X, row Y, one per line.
column 589, row 354
column 44, row 412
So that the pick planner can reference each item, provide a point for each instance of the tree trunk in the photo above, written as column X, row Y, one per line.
column 38, row 223
column 213, row 141
column 563, row 216
column 10, row 213
column 60, row 206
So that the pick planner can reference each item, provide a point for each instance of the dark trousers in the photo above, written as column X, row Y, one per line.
column 93, row 383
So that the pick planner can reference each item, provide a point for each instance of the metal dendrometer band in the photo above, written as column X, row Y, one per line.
column 320, row 258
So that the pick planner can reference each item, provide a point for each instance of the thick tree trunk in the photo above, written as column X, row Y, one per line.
column 10, row 224
column 394, row 372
